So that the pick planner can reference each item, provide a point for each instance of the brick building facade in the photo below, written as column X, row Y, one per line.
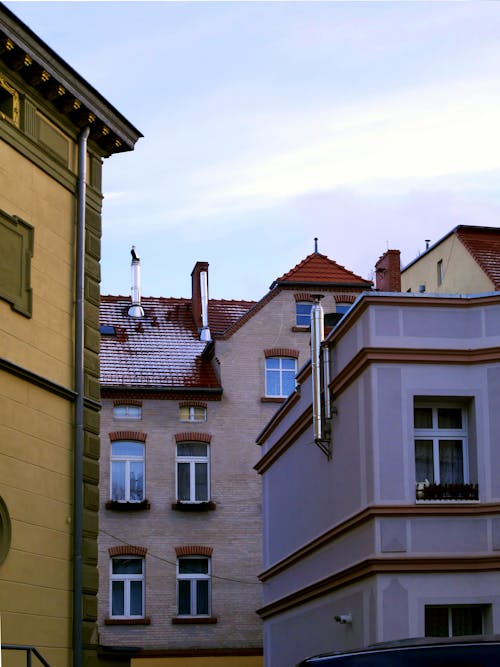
column 186, row 387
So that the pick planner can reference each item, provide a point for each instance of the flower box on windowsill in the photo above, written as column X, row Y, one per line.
column 448, row 492
column 181, row 506
column 119, row 506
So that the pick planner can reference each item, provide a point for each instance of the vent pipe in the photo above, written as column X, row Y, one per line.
column 317, row 335
column 135, row 310
column 205, row 330
column 321, row 411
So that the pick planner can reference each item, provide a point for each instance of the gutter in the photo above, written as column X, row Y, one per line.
column 79, row 388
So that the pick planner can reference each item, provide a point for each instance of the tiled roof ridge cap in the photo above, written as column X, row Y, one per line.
column 285, row 277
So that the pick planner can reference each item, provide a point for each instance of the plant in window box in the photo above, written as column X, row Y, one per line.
column 456, row 491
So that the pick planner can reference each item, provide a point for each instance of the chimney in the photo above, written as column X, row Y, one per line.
column 199, row 299
column 388, row 272
column 135, row 309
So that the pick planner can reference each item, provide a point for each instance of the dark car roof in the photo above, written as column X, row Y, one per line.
column 481, row 651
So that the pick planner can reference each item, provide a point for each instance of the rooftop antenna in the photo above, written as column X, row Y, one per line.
column 316, row 245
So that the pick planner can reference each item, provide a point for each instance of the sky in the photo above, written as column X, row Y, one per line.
column 369, row 125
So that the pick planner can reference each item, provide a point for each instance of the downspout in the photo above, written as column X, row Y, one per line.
column 79, row 389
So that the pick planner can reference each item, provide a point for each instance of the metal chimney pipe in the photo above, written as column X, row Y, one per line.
column 317, row 335
column 205, row 330
column 135, row 309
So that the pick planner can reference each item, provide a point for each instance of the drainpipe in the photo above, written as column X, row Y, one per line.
column 79, row 389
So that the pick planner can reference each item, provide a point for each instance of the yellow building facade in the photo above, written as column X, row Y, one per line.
column 55, row 131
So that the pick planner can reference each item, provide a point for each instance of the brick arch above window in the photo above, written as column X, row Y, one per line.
column 127, row 435
column 303, row 296
column 281, row 352
column 193, row 437
column 192, row 404
column 345, row 298
column 193, row 550
column 127, row 550
column 127, row 401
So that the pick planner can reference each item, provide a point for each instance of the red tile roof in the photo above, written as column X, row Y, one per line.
column 483, row 243
column 161, row 349
column 318, row 268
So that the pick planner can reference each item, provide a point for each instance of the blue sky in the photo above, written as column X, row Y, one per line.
column 366, row 124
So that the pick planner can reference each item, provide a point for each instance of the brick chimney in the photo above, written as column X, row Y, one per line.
column 388, row 272
column 199, row 298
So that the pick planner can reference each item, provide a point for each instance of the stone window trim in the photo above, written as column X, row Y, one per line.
column 127, row 550
column 193, row 550
column 193, row 437
column 127, row 401
column 127, row 435
column 193, row 404
column 281, row 352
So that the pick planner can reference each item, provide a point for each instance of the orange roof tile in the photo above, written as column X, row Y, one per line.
column 483, row 243
column 319, row 269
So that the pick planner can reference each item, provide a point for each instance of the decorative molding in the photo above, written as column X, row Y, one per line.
column 193, row 437
column 127, row 435
column 383, row 565
column 16, row 251
column 38, row 380
column 127, row 550
column 281, row 352
column 374, row 512
column 192, row 404
column 127, row 401
column 193, row 550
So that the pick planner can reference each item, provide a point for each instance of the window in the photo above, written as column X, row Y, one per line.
column 127, row 471
column 127, row 587
column 192, row 413
column 193, row 586
column 280, row 376
column 127, row 412
column 441, row 455
column 192, row 472
column 440, row 273
column 303, row 314
column 456, row 621
column 9, row 102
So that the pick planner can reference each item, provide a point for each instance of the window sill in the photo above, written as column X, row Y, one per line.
column 272, row 399
column 194, row 620
column 128, row 621
column 298, row 329
column 447, row 501
column 118, row 506
column 194, row 507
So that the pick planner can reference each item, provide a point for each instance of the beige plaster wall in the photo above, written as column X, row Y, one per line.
column 42, row 343
column 35, row 478
column 462, row 274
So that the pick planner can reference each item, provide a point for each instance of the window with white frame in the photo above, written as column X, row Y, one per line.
column 441, row 444
column 193, row 473
column 127, row 412
column 127, row 471
column 303, row 313
column 280, row 376
column 454, row 621
column 193, row 586
column 127, row 587
column 193, row 413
